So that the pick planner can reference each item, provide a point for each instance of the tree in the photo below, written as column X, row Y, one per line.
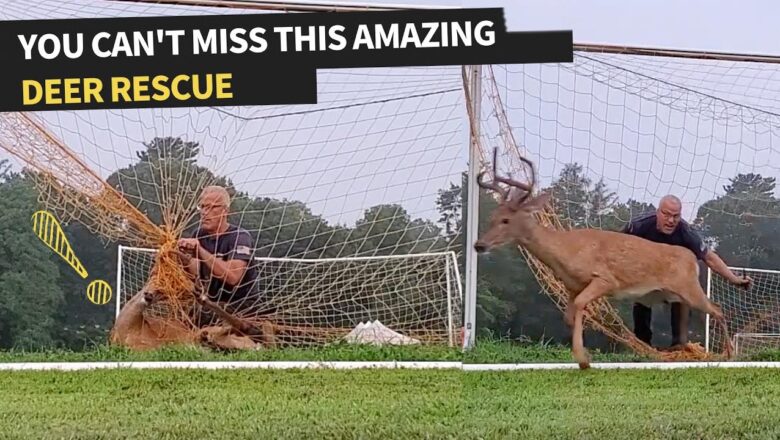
column 571, row 195
column 450, row 205
column 389, row 230
column 601, row 205
column 744, row 223
column 173, row 148
column 84, row 323
column 30, row 294
column 166, row 180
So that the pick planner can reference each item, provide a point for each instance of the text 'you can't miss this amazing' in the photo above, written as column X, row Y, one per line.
column 256, row 59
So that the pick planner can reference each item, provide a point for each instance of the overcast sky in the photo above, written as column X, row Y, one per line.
column 398, row 135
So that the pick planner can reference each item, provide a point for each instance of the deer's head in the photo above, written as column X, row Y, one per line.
column 514, row 217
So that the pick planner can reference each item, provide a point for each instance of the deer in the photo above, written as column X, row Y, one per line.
column 132, row 329
column 593, row 263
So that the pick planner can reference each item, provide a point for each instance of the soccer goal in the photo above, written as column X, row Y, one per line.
column 318, row 301
column 752, row 315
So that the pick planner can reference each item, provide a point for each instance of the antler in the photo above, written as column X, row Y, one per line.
column 528, row 188
column 493, row 185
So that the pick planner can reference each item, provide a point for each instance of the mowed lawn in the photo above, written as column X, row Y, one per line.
column 391, row 404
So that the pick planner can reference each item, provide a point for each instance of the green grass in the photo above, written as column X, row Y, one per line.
column 398, row 404
column 340, row 352
column 602, row 404
column 486, row 351
column 167, row 404
column 494, row 351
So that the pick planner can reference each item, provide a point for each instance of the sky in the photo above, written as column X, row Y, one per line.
column 399, row 135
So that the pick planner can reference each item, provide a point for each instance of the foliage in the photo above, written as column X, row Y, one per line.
column 744, row 223
column 52, row 311
column 30, row 292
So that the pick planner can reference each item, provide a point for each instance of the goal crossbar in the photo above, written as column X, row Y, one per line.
column 675, row 53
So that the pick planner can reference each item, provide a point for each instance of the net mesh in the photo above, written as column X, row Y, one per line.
column 313, row 301
column 358, row 173
column 753, row 315
column 611, row 134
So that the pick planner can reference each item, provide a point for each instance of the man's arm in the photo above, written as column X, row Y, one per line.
column 230, row 271
column 715, row 263
column 710, row 258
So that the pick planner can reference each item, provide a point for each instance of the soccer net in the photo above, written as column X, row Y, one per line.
column 611, row 133
column 416, row 297
column 342, row 199
column 753, row 315
column 376, row 168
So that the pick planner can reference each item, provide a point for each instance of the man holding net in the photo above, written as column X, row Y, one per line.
column 220, row 254
column 665, row 225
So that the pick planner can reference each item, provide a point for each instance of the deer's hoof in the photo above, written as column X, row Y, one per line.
column 583, row 359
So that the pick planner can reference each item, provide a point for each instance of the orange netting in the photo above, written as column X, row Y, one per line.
column 72, row 191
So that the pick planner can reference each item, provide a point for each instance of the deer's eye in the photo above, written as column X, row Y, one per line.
column 505, row 221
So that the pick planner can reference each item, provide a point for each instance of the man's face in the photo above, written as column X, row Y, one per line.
column 668, row 215
column 212, row 210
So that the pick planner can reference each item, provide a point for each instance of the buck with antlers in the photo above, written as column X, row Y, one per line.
column 593, row 263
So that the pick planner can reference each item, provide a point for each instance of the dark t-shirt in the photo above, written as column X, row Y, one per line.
column 684, row 235
column 235, row 243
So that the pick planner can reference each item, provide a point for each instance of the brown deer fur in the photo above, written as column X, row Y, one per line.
column 593, row 263
column 135, row 331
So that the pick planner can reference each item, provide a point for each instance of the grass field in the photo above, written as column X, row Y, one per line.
column 383, row 404
column 487, row 351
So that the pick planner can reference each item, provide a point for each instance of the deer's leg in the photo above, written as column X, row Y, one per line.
column 568, row 316
column 698, row 300
column 596, row 289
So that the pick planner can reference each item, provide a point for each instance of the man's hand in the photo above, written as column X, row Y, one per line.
column 184, row 258
column 743, row 281
column 716, row 264
column 189, row 246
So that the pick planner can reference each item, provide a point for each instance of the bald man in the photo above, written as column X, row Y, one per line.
column 665, row 225
column 220, row 253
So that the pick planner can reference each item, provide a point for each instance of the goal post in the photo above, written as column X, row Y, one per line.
column 317, row 301
column 752, row 315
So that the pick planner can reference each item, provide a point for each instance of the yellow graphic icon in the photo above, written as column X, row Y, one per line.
column 49, row 231
column 99, row 292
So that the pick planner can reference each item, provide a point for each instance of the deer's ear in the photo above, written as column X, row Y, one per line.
column 539, row 202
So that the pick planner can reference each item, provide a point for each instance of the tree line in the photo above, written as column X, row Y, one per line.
column 43, row 303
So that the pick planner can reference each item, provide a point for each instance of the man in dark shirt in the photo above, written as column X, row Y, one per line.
column 221, row 253
column 666, row 226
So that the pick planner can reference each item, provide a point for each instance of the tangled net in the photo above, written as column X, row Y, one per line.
column 72, row 191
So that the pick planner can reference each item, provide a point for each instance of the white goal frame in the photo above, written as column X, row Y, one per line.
column 708, row 322
column 451, row 270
